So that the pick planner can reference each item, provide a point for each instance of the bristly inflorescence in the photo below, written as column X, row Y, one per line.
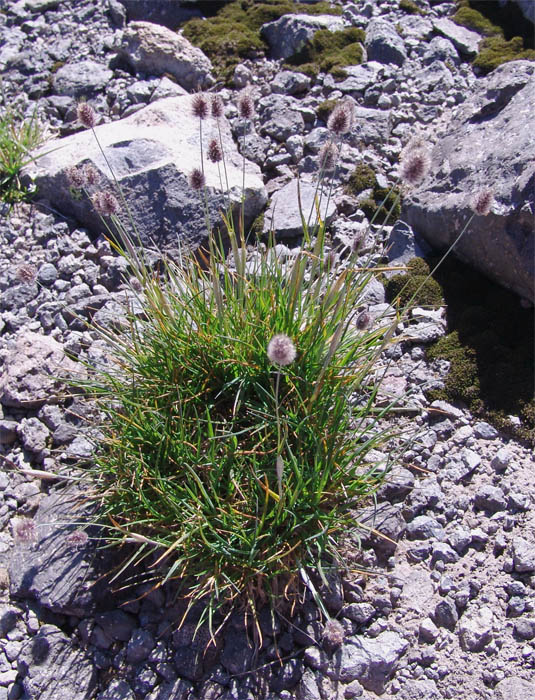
column 76, row 177
column 415, row 162
column 90, row 174
column 482, row 202
column 245, row 106
column 105, row 203
column 333, row 634
column 86, row 115
column 281, row 350
column 196, row 179
column 199, row 106
column 341, row 118
column 217, row 107
column 214, row 151
column 328, row 156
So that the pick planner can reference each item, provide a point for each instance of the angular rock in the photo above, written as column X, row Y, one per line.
column 30, row 374
column 523, row 555
column 475, row 629
column 82, row 79
column 423, row 527
column 490, row 498
column 465, row 40
column 155, row 50
column 283, row 215
column 446, row 614
column 384, row 44
column 52, row 668
column 57, row 572
column 370, row 661
column 287, row 36
column 490, row 140
column 360, row 77
column 440, row 49
column 528, row 9
column 152, row 154
column 280, row 117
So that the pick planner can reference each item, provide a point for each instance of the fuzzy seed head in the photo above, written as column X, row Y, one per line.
column 199, row 106
column 217, row 107
column 77, row 539
column 24, row 530
column 363, row 320
column 333, row 633
column 482, row 202
column 105, row 203
column 86, row 115
column 76, row 178
column 341, row 118
column 415, row 164
column 245, row 106
column 90, row 174
column 281, row 350
column 196, row 179
column 327, row 157
column 214, row 151
column 26, row 273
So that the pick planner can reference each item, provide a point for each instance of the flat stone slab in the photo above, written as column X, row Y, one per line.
column 464, row 40
column 284, row 216
column 152, row 154
column 55, row 565
column 52, row 668
column 31, row 372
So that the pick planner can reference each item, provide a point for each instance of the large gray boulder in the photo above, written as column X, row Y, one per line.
column 489, row 143
column 287, row 36
column 384, row 44
column 156, row 50
column 152, row 154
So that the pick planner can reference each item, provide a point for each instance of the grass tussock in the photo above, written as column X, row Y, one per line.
column 18, row 137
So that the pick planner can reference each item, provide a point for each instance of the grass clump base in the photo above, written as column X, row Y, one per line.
column 241, row 472
column 18, row 137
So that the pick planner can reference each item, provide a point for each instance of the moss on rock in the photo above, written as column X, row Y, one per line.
column 233, row 32
column 380, row 202
column 410, row 7
column 501, row 42
column 490, row 346
column 330, row 52
column 414, row 286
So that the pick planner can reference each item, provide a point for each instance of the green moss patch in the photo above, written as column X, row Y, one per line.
column 382, row 200
column 490, row 346
column 330, row 52
column 508, row 35
column 411, row 8
column 233, row 32
column 415, row 287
